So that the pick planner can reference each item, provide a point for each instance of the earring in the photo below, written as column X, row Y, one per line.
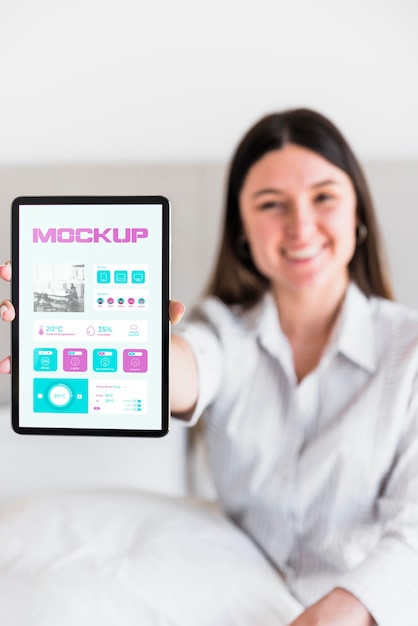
column 361, row 233
column 242, row 248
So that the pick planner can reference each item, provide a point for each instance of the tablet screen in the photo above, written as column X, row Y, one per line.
column 90, row 340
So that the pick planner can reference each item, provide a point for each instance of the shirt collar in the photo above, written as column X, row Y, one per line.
column 354, row 337
column 263, row 322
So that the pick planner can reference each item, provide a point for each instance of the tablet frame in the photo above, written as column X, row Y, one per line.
column 165, row 324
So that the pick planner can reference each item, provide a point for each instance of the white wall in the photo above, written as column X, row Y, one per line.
column 163, row 80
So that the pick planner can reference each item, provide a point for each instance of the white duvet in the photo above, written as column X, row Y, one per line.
column 125, row 558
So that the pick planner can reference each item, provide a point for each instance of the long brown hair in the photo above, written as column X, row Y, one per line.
column 236, row 280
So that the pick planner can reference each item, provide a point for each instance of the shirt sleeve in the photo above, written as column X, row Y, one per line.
column 386, row 582
column 201, row 332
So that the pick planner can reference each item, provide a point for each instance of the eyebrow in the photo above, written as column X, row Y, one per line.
column 330, row 181
column 321, row 183
column 263, row 191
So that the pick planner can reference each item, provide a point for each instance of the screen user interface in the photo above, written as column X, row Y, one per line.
column 90, row 327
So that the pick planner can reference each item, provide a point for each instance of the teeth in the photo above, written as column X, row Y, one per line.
column 303, row 253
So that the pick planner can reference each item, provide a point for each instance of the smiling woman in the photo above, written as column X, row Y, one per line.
column 298, row 155
column 299, row 215
column 295, row 356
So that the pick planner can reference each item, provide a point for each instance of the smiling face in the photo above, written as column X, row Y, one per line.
column 298, row 212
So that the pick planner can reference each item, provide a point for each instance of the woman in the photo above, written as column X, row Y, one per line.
column 306, row 373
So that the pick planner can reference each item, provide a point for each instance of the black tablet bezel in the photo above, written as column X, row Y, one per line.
column 165, row 325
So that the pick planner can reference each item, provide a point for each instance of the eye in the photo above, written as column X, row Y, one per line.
column 324, row 197
column 272, row 204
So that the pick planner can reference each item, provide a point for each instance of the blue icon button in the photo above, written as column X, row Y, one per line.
column 45, row 359
column 138, row 277
column 103, row 276
column 121, row 276
column 105, row 360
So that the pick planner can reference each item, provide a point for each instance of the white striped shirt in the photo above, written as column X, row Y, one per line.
column 322, row 474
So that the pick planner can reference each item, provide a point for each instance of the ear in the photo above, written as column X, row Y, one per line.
column 361, row 232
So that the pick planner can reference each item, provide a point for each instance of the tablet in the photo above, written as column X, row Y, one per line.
column 90, row 342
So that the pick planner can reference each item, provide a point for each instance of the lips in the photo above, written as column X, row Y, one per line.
column 303, row 254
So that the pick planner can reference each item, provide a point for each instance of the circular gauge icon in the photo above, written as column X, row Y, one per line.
column 60, row 395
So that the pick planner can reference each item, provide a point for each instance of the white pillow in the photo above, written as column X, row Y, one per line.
column 126, row 558
column 33, row 463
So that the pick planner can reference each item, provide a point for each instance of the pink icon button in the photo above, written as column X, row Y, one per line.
column 75, row 360
column 135, row 360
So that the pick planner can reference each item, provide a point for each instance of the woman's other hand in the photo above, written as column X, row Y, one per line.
column 7, row 313
column 338, row 608
column 175, row 311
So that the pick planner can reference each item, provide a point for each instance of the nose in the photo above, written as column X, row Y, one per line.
column 301, row 221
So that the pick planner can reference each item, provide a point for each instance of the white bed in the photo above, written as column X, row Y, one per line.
column 85, row 553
